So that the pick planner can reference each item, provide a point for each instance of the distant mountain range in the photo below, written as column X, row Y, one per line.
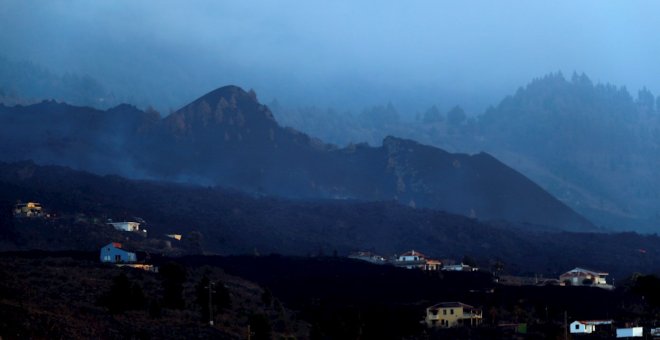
column 596, row 147
column 228, row 138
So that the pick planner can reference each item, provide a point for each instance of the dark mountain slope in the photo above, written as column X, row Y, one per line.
column 81, row 137
column 229, row 222
column 595, row 147
column 227, row 137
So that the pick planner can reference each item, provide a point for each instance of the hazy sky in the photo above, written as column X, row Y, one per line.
column 345, row 54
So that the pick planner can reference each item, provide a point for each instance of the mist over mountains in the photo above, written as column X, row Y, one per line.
column 264, row 169
column 228, row 138
column 594, row 146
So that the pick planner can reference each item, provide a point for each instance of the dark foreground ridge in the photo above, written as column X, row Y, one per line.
column 289, row 297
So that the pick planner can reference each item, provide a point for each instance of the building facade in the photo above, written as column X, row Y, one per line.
column 29, row 209
column 410, row 259
column 113, row 253
column 452, row 314
column 583, row 277
column 586, row 326
column 126, row 226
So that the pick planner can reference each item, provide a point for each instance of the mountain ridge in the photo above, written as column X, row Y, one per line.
column 226, row 137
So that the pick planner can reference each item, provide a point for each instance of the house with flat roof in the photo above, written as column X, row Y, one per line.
column 126, row 226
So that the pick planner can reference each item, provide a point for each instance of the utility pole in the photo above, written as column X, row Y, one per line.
column 210, row 303
column 565, row 326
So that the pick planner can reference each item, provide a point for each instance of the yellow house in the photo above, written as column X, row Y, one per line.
column 29, row 209
column 433, row 265
column 174, row 236
column 452, row 314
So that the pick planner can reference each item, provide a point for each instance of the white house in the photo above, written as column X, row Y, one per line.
column 126, row 226
column 411, row 256
column 410, row 259
column 586, row 326
column 583, row 277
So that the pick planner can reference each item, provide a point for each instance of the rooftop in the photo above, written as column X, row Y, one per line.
column 413, row 253
column 453, row 304
column 595, row 322
column 577, row 270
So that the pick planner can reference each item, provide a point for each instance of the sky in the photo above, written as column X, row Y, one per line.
column 342, row 54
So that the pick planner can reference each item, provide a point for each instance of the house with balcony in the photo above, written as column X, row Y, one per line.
column 452, row 314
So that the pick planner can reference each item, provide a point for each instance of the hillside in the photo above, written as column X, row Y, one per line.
column 60, row 295
column 228, row 138
column 222, row 221
column 283, row 297
column 593, row 146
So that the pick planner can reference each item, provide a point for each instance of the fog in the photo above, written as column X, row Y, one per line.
column 343, row 54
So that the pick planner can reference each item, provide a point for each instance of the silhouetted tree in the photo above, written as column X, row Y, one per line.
column 433, row 115
column 267, row 297
column 260, row 327
column 173, row 276
column 456, row 116
column 645, row 100
column 123, row 295
column 7, row 231
column 647, row 286
column 379, row 116
column 469, row 260
column 155, row 309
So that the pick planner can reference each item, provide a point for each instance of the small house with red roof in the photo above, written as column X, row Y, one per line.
column 587, row 326
column 113, row 253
